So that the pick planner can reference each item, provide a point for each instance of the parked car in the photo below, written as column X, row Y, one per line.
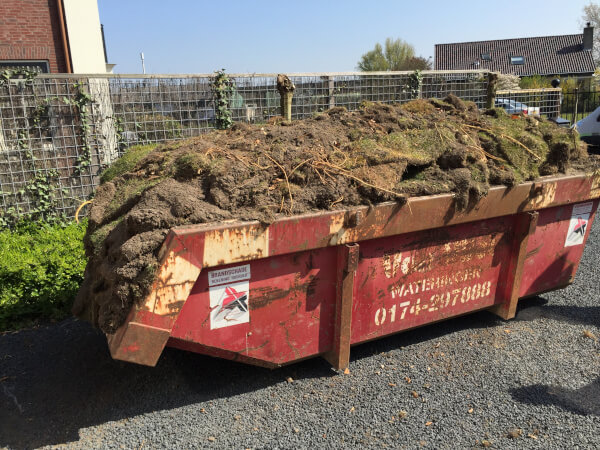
column 589, row 128
column 515, row 107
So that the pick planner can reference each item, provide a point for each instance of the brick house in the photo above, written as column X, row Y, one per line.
column 53, row 36
column 567, row 55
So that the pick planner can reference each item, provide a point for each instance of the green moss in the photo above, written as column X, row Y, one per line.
column 128, row 190
column 477, row 174
column 414, row 146
column 127, row 162
column 96, row 239
column 420, row 106
column 354, row 135
column 190, row 165
column 437, row 103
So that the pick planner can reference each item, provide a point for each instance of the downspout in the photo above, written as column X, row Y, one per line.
column 63, row 33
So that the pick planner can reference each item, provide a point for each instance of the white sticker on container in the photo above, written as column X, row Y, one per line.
column 578, row 224
column 229, row 275
column 229, row 304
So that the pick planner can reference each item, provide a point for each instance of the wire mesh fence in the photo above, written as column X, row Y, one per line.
column 579, row 103
column 50, row 146
column 58, row 132
column 540, row 102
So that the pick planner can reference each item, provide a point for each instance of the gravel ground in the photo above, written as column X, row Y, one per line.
column 533, row 382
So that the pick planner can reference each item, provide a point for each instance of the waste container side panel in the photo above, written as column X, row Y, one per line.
column 410, row 280
column 277, row 309
column 555, row 248
column 268, row 294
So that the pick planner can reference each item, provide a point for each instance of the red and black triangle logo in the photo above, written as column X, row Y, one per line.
column 234, row 299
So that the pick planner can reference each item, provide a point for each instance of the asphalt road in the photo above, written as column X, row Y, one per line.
column 533, row 382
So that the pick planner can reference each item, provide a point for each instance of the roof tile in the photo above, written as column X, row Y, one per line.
column 546, row 55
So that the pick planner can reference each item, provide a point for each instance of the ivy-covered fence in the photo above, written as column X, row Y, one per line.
column 58, row 132
column 52, row 146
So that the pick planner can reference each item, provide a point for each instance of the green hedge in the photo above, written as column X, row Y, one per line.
column 41, row 267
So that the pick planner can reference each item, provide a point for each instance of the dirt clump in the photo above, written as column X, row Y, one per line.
column 334, row 160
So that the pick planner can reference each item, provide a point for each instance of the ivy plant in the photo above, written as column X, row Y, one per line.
column 222, row 88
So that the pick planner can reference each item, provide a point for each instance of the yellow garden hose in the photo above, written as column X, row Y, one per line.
column 79, row 209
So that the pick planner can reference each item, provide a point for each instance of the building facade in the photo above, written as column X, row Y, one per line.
column 52, row 36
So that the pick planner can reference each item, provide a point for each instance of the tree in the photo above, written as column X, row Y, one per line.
column 418, row 63
column 591, row 14
column 397, row 55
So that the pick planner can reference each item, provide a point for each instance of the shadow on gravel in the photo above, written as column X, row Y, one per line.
column 579, row 401
column 582, row 401
column 58, row 379
column 536, row 308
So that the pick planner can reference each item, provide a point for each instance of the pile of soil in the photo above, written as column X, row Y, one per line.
column 333, row 160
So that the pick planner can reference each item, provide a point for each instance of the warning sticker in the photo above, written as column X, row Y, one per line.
column 229, row 275
column 578, row 224
column 229, row 304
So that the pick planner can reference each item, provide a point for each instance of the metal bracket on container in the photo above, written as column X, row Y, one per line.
column 347, row 263
column 525, row 225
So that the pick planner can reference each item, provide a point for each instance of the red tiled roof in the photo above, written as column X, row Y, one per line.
column 547, row 55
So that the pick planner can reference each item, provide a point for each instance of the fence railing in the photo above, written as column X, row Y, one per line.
column 543, row 102
column 57, row 132
column 577, row 104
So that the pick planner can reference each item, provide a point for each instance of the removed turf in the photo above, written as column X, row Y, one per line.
column 334, row 160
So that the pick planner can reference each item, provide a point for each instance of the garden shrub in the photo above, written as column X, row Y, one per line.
column 41, row 267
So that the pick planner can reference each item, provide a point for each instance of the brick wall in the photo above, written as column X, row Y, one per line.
column 30, row 30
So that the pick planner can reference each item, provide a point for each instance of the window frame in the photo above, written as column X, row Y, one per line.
column 42, row 64
column 514, row 60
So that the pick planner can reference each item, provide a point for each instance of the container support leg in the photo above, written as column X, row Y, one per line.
column 347, row 262
column 525, row 225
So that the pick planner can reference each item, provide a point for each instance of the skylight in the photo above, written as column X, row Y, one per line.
column 517, row 60
column 486, row 57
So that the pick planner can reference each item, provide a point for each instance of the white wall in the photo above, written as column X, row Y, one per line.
column 85, row 36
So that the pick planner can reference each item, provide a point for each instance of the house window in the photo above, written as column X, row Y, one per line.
column 486, row 57
column 517, row 60
column 37, row 66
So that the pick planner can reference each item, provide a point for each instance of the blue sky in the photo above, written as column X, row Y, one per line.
column 187, row 36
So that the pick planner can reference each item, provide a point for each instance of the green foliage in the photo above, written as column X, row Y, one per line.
column 20, row 73
column 156, row 128
column 81, row 100
column 127, row 161
column 223, row 89
column 567, row 84
column 415, row 82
column 374, row 60
column 397, row 55
column 535, row 82
column 43, row 196
column 41, row 267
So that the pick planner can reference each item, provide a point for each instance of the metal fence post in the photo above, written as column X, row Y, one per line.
column 492, row 83
column 286, row 91
column 331, row 92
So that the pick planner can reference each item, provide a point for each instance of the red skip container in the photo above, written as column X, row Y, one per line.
column 316, row 284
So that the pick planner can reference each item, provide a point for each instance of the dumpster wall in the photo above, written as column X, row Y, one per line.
column 318, row 283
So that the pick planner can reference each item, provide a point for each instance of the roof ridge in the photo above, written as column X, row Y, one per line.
column 513, row 39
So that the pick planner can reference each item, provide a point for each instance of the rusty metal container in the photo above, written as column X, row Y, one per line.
column 316, row 284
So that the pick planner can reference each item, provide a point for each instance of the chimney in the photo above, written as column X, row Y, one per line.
column 588, row 37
